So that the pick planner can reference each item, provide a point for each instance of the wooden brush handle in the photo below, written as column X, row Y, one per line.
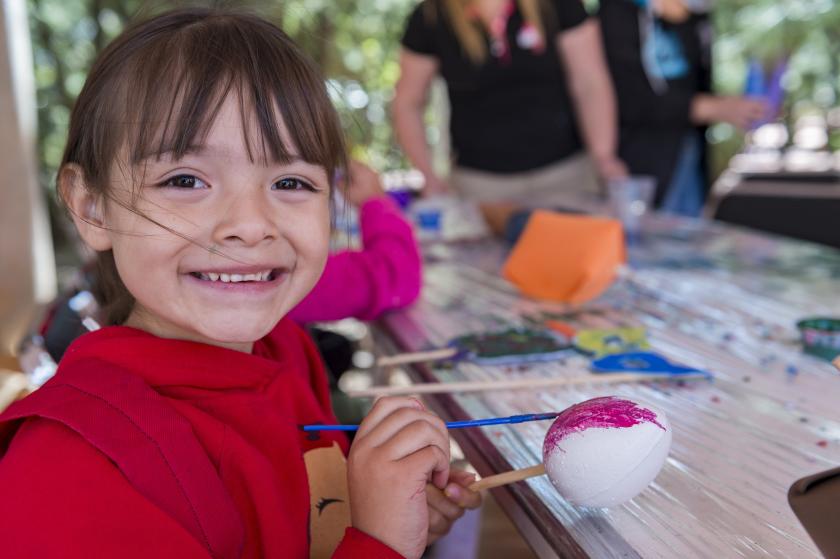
column 514, row 384
column 508, row 477
column 417, row 357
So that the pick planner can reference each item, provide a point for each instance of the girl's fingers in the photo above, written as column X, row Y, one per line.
column 462, row 496
column 462, row 477
column 432, row 462
column 389, row 427
column 441, row 504
column 415, row 436
column 384, row 407
column 438, row 526
column 457, row 489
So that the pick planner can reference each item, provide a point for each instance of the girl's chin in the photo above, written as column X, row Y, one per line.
column 225, row 327
column 232, row 336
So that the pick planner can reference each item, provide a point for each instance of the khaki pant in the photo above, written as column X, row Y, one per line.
column 557, row 184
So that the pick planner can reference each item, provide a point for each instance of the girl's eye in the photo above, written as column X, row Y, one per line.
column 184, row 181
column 293, row 183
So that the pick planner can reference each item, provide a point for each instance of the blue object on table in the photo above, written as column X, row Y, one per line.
column 641, row 362
column 453, row 424
column 429, row 219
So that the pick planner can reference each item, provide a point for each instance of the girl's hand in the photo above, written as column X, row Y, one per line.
column 447, row 506
column 362, row 184
column 399, row 448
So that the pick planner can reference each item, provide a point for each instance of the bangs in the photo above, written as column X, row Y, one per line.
column 177, row 75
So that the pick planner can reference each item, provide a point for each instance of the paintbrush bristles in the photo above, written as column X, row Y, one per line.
column 508, row 477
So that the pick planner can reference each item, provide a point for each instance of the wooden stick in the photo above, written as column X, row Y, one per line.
column 508, row 477
column 417, row 357
column 516, row 384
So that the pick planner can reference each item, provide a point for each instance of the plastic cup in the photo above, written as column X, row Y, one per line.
column 820, row 337
column 630, row 200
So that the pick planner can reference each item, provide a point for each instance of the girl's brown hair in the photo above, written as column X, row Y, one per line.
column 157, row 88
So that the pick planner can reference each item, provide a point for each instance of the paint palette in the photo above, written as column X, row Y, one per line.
column 511, row 346
column 640, row 362
column 611, row 340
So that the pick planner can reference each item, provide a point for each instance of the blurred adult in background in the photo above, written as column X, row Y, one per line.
column 659, row 54
column 523, row 77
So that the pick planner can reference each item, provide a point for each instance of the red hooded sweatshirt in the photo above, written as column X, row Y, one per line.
column 148, row 447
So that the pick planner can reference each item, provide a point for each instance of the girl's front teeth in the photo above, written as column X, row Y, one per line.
column 236, row 278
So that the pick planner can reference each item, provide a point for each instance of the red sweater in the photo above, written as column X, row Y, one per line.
column 61, row 497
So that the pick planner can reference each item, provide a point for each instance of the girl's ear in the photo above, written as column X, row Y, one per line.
column 86, row 207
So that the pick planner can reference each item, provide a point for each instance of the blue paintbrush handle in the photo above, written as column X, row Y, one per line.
column 452, row 424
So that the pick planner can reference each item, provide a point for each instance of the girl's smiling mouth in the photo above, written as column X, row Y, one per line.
column 250, row 278
column 237, row 277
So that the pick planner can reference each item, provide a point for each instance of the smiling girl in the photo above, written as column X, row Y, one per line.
column 198, row 167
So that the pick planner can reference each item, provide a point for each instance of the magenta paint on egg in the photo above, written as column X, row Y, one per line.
column 604, row 413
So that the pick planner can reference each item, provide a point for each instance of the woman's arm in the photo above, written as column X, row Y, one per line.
column 411, row 96
column 593, row 95
column 739, row 111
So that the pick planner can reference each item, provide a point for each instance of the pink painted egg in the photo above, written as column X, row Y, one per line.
column 605, row 451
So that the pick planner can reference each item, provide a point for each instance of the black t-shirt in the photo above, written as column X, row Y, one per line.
column 510, row 115
column 653, row 124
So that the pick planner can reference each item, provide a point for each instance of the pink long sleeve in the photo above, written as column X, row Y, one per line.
column 386, row 274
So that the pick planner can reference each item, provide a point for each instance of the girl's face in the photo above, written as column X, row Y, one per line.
column 267, row 223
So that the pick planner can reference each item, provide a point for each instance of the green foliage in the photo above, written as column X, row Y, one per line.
column 354, row 41
column 806, row 32
column 66, row 35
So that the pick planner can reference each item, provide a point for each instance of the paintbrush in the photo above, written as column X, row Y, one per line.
column 513, row 345
column 522, row 418
column 518, row 384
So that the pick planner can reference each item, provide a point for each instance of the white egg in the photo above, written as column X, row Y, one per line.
column 605, row 451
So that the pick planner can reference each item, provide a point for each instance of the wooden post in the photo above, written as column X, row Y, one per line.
column 27, row 263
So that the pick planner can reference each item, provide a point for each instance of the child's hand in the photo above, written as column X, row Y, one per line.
column 447, row 506
column 399, row 448
column 362, row 184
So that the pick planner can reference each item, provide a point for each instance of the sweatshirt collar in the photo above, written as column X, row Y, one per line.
column 164, row 362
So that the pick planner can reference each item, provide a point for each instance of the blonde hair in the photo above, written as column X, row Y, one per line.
column 469, row 34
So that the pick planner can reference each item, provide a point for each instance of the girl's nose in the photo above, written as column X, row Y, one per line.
column 247, row 219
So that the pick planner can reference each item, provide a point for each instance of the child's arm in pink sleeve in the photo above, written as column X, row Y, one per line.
column 386, row 274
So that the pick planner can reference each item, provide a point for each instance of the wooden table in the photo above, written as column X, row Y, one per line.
column 710, row 296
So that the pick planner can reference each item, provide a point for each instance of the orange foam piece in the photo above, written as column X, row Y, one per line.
column 559, row 326
column 566, row 258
